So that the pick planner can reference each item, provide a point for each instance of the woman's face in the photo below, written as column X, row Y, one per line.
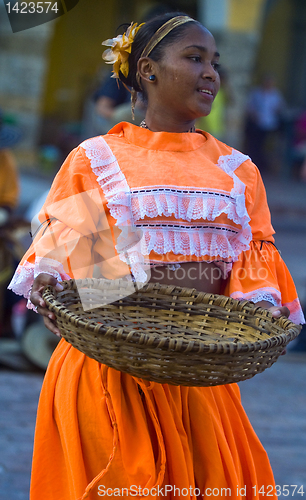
column 187, row 78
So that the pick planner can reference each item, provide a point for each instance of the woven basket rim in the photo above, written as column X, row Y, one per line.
column 291, row 330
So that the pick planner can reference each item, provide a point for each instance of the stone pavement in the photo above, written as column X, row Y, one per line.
column 19, row 394
column 275, row 402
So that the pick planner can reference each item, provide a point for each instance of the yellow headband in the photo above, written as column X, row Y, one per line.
column 160, row 34
column 163, row 31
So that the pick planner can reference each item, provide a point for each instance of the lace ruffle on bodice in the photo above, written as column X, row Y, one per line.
column 187, row 204
column 132, row 207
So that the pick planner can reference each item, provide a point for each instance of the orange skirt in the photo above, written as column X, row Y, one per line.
column 101, row 432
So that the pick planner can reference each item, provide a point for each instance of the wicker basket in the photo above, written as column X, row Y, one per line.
column 170, row 334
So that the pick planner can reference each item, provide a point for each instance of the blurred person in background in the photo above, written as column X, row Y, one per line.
column 299, row 147
column 9, row 191
column 9, row 184
column 109, row 104
column 106, row 98
column 265, row 110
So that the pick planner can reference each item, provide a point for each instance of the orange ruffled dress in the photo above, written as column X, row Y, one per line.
column 136, row 196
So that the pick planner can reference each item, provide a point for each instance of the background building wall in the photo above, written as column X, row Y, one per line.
column 47, row 72
column 23, row 66
column 75, row 56
column 282, row 49
column 274, row 47
column 237, row 32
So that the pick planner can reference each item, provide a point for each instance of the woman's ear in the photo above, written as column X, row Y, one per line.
column 145, row 67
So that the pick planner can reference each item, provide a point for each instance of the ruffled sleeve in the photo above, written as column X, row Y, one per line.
column 73, row 233
column 260, row 273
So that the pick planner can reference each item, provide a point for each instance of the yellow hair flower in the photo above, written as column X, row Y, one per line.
column 121, row 47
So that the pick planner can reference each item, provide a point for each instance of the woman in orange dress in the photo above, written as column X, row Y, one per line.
column 173, row 205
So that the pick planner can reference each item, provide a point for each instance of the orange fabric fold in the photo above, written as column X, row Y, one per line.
column 96, row 431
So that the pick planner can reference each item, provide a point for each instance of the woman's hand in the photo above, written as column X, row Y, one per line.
column 276, row 311
column 40, row 282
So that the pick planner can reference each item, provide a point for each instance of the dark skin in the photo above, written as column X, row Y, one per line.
column 186, row 83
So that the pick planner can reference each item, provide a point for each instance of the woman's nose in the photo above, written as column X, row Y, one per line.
column 209, row 72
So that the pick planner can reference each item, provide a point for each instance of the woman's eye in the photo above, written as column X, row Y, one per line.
column 196, row 58
column 216, row 66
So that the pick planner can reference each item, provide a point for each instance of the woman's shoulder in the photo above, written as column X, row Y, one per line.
column 77, row 170
column 98, row 145
column 231, row 159
column 85, row 155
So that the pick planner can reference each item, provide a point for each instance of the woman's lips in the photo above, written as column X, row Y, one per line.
column 207, row 94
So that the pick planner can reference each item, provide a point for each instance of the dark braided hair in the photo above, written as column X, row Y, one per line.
column 143, row 36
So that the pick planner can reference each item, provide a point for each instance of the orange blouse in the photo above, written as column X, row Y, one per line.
column 135, row 197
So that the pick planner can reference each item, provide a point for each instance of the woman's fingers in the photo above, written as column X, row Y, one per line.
column 52, row 326
column 39, row 284
column 278, row 311
column 49, row 320
column 43, row 311
column 37, row 300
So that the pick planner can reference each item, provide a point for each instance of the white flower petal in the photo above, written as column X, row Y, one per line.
column 109, row 56
column 111, row 42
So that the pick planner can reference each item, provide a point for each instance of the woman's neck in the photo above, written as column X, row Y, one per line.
column 144, row 125
column 160, row 122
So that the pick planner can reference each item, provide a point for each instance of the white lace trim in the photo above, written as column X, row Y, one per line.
column 266, row 293
column 187, row 204
column 22, row 281
column 128, row 207
column 228, row 164
column 110, row 178
column 117, row 192
column 215, row 241
column 266, row 297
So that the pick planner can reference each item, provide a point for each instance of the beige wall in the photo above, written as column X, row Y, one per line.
column 75, row 56
column 275, row 44
column 245, row 16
